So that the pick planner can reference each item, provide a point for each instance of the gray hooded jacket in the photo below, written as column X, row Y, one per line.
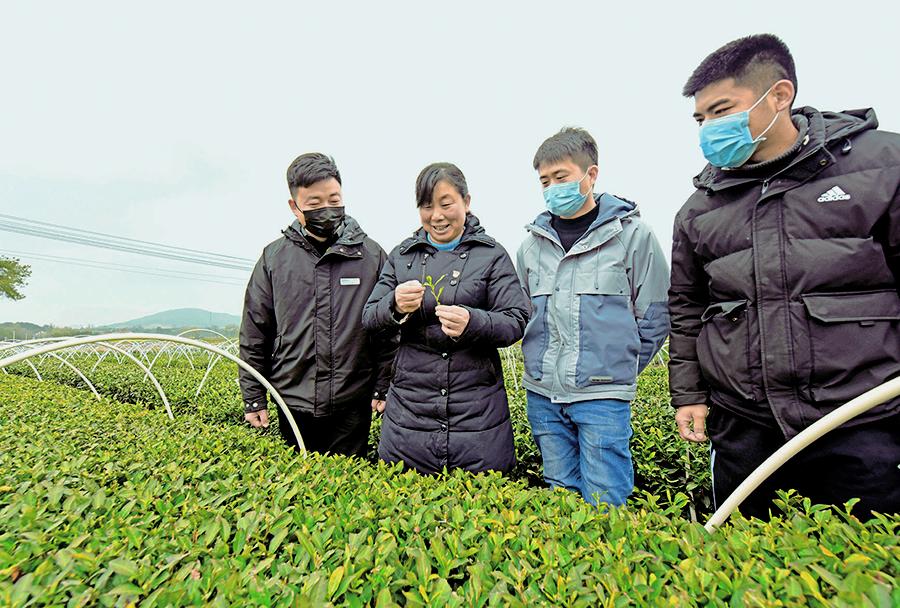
column 599, row 311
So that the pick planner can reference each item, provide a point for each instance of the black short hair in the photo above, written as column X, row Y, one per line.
column 309, row 168
column 757, row 61
column 570, row 143
column 436, row 172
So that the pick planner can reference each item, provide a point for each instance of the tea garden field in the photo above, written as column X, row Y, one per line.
column 109, row 502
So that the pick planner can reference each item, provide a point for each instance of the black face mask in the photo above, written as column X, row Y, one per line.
column 324, row 222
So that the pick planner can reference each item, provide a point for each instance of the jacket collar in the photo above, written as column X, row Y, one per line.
column 473, row 234
column 825, row 130
column 348, row 244
column 613, row 210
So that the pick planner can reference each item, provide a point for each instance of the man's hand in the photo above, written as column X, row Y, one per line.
column 454, row 319
column 408, row 296
column 691, row 421
column 378, row 405
column 258, row 419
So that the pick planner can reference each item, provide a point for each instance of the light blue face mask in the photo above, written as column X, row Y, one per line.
column 727, row 141
column 565, row 199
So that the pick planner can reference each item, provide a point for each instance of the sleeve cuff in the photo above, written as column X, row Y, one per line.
column 255, row 406
column 689, row 399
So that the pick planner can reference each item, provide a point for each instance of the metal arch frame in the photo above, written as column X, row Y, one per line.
column 106, row 338
column 77, row 371
column 100, row 360
column 509, row 358
column 144, row 368
column 209, row 369
column 166, row 350
column 214, row 360
column 35, row 370
column 64, row 343
column 202, row 329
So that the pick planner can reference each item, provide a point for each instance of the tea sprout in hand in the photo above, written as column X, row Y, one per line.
column 432, row 284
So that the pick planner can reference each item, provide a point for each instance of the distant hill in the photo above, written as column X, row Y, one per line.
column 181, row 318
column 21, row 330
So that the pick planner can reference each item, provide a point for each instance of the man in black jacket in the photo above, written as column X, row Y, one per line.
column 302, row 324
column 785, row 277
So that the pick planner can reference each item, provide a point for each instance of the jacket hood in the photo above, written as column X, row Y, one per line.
column 474, row 232
column 611, row 207
column 351, row 233
column 825, row 129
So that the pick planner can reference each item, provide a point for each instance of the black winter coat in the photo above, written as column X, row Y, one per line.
column 785, row 277
column 447, row 404
column 302, row 326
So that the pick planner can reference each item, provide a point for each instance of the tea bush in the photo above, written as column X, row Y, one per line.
column 107, row 503
column 664, row 464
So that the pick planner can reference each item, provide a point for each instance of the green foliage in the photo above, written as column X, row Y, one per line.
column 13, row 277
column 665, row 465
column 111, row 504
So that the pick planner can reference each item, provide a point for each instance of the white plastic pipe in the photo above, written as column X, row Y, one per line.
column 61, row 344
column 163, row 338
column 829, row 422
column 146, row 370
column 77, row 371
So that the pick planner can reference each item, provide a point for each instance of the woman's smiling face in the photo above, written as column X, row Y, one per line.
column 444, row 216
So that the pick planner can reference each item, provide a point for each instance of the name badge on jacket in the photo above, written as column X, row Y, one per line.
column 350, row 281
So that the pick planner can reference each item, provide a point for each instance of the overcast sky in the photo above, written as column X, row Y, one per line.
column 175, row 121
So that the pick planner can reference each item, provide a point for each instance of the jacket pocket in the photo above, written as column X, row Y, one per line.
column 608, row 340
column 723, row 349
column 537, row 335
column 854, row 341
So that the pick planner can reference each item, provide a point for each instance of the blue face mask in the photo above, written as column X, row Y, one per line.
column 565, row 199
column 727, row 141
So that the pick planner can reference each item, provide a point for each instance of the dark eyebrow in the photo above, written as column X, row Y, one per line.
column 713, row 106
column 554, row 173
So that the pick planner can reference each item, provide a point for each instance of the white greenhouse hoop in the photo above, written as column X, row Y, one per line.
column 106, row 338
column 144, row 368
column 77, row 371
column 829, row 422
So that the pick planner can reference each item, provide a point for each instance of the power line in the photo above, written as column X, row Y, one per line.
column 121, row 238
column 107, row 241
column 155, row 272
column 119, row 247
column 57, row 258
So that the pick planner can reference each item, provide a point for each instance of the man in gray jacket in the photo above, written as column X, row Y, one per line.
column 785, row 281
column 302, row 325
column 597, row 279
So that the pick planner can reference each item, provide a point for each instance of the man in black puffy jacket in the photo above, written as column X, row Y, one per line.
column 785, row 276
column 302, row 324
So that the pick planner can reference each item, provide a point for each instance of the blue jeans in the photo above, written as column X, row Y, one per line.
column 585, row 446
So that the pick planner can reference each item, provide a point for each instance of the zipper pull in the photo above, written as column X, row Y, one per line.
column 765, row 186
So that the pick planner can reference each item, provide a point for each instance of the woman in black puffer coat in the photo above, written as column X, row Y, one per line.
column 447, row 406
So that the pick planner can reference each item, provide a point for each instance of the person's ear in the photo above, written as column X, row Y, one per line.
column 468, row 201
column 593, row 174
column 296, row 211
column 784, row 92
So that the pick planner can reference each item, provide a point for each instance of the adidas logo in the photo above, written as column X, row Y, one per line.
column 835, row 194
